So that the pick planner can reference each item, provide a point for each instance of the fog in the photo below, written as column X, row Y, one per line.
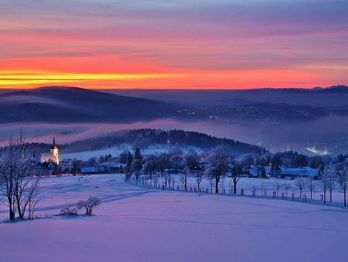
column 330, row 134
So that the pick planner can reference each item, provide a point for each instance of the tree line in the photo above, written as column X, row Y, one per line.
column 219, row 163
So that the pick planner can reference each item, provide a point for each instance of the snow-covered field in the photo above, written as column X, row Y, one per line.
column 262, row 187
column 137, row 224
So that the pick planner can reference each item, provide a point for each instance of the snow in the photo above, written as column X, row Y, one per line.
column 85, row 155
column 137, row 224
column 117, row 150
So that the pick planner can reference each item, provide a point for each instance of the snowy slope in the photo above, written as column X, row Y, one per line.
column 136, row 224
column 117, row 150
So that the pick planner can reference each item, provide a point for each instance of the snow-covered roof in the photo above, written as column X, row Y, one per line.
column 305, row 171
column 90, row 169
column 289, row 171
column 113, row 164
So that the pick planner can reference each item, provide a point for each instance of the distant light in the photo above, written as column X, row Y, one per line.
column 321, row 152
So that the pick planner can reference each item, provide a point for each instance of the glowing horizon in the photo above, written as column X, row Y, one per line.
column 210, row 44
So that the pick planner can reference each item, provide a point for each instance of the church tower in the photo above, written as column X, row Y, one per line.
column 54, row 152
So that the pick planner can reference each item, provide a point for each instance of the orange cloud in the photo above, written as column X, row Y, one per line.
column 213, row 44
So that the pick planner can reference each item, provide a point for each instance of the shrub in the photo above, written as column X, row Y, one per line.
column 89, row 204
column 69, row 211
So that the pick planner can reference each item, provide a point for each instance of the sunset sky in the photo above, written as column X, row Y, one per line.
column 173, row 44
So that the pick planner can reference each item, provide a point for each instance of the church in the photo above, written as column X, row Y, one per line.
column 53, row 155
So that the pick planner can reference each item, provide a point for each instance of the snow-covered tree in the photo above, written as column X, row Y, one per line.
column 276, row 163
column 136, row 167
column 176, row 159
column 311, row 185
column 327, row 179
column 162, row 163
column 246, row 162
column 261, row 171
column 277, row 185
column 236, row 171
column 19, row 182
column 137, row 164
column 287, row 186
column 342, row 180
column 89, row 204
column 128, row 165
column 192, row 166
column 137, row 154
column 75, row 166
column 184, row 178
column 123, row 157
column 149, row 168
column 218, row 162
column 199, row 175
column 332, row 182
column 300, row 183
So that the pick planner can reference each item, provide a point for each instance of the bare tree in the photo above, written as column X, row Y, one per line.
column 326, row 178
column 136, row 168
column 27, row 196
column 19, row 185
column 311, row 185
column 199, row 177
column 7, row 176
column 149, row 167
column 287, row 186
column 300, row 183
column 342, row 180
column 75, row 167
column 33, row 199
column 236, row 171
column 331, row 181
column 277, row 185
column 156, row 166
column 137, row 164
column 218, row 165
column 254, row 189
column 27, row 183
column 89, row 204
column 176, row 159
column 192, row 166
column 170, row 179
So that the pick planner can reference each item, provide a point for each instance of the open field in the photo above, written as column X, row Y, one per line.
column 137, row 224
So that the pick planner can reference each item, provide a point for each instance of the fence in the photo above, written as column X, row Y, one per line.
column 161, row 185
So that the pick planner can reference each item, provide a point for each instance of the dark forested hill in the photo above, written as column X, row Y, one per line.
column 148, row 137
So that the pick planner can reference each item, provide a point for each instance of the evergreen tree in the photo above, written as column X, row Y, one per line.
column 137, row 154
column 129, row 162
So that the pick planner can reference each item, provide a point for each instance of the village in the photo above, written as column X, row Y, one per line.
column 287, row 176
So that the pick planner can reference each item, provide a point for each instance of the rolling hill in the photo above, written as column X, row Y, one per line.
column 77, row 105
column 70, row 104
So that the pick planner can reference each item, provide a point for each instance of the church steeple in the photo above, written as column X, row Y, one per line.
column 54, row 153
column 53, row 143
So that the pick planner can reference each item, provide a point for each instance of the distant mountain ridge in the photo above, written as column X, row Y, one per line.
column 71, row 104
column 77, row 105
column 336, row 88
column 315, row 97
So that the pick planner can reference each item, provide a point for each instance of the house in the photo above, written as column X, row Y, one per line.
column 286, row 172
